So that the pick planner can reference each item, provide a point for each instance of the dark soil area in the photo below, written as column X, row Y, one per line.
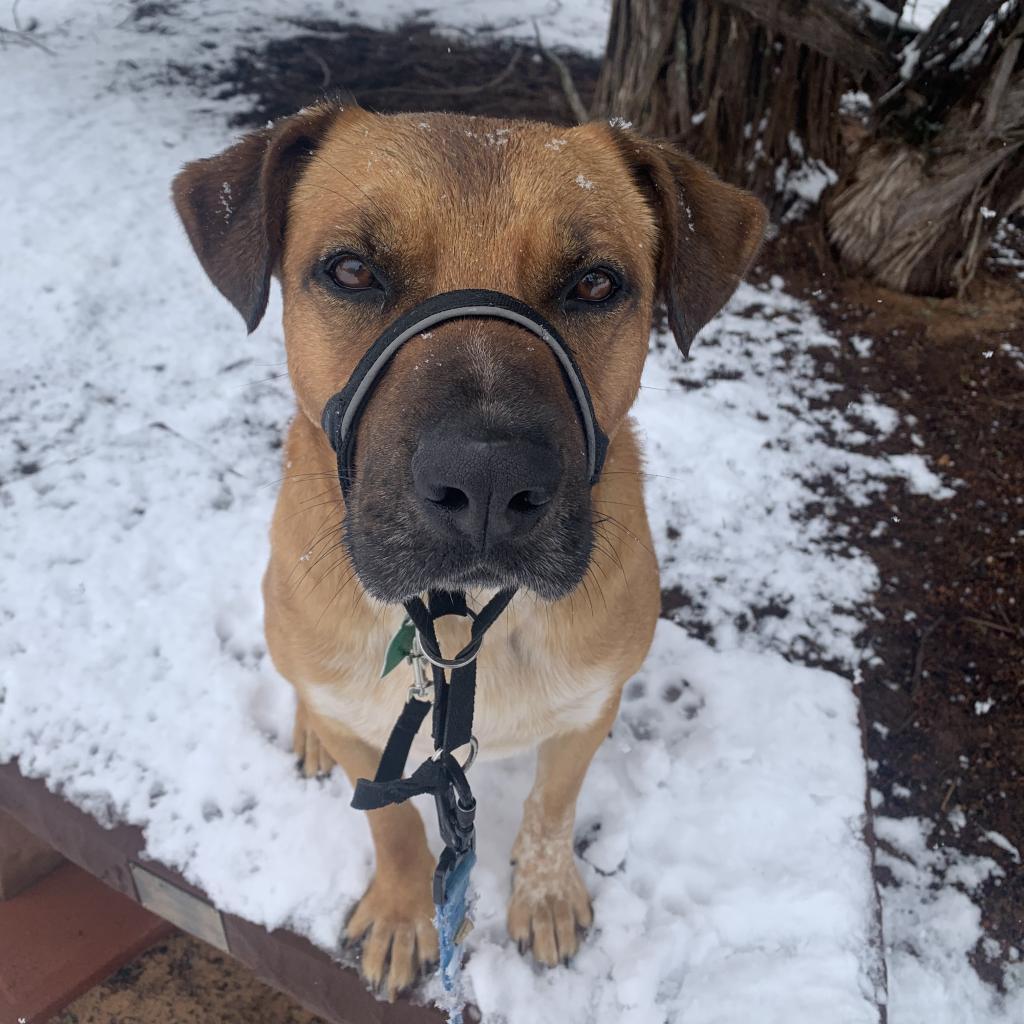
column 944, row 699
column 412, row 68
column 949, row 693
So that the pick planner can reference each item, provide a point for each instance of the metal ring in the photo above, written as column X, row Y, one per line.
column 474, row 749
column 473, row 647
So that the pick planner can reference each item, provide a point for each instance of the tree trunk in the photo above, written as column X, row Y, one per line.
column 754, row 88
column 708, row 74
column 919, row 207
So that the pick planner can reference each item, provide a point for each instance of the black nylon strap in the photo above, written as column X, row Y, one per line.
column 396, row 752
column 453, row 712
column 428, row 778
column 340, row 415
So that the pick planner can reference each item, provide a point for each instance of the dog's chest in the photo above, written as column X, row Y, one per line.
column 525, row 693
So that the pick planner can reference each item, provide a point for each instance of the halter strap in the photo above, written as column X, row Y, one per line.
column 341, row 414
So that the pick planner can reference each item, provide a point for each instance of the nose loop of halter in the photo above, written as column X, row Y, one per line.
column 342, row 411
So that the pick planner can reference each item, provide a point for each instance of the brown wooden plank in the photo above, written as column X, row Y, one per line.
column 61, row 936
column 24, row 858
column 286, row 961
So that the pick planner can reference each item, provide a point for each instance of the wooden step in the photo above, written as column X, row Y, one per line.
column 61, row 936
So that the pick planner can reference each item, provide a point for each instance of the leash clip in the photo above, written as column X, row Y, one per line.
column 422, row 688
column 456, row 808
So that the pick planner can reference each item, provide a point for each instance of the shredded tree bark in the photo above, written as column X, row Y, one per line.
column 756, row 87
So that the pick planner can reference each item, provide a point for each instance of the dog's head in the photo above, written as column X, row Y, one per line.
column 470, row 460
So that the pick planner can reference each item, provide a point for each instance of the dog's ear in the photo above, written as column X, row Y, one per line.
column 233, row 206
column 709, row 232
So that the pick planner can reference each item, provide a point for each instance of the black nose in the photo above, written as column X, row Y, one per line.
column 484, row 486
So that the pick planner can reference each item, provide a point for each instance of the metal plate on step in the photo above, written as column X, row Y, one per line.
column 181, row 908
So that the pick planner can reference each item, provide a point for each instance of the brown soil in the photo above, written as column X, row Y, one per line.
column 412, row 68
column 183, row 981
column 945, row 701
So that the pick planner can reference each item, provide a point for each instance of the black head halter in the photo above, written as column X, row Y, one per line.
column 341, row 414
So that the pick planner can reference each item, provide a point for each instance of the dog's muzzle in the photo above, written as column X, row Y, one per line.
column 340, row 417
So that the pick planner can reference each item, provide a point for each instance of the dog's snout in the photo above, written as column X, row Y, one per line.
column 484, row 486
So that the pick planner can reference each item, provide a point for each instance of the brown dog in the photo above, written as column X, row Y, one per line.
column 469, row 465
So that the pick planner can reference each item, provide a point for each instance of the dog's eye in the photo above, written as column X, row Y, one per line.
column 595, row 286
column 353, row 274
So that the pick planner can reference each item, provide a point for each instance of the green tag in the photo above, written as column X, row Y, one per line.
column 400, row 647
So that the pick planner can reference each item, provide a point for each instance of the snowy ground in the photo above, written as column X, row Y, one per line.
column 720, row 828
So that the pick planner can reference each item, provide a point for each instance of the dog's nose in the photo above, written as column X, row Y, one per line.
column 484, row 486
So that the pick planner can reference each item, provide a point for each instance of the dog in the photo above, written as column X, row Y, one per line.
column 469, row 458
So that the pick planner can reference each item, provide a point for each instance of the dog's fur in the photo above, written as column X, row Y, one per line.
column 439, row 202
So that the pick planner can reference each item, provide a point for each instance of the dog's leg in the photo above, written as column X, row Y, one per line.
column 395, row 917
column 550, row 906
column 311, row 753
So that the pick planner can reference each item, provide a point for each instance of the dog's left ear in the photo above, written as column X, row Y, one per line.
column 234, row 205
column 709, row 232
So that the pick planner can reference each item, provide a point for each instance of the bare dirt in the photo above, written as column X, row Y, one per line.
column 183, row 981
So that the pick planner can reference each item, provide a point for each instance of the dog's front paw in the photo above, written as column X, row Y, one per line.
column 395, row 923
column 311, row 754
column 550, row 907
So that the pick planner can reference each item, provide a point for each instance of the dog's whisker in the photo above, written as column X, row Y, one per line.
column 312, row 508
column 602, row 546
column 641, row 475
column 332, row 502
column 321, row 537
column 612, row 521
column 263, row 380
column 348, row 579
column 610, row 549
column 331, row 548
column 297, row 478
column 323, row 532
column 606, row 501
column 324, row 538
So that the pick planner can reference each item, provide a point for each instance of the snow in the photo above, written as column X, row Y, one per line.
column 916, row 15
column 998, row 839
column 931, row 926
column 801, row 180
column 720, row 828
column 1007, row 250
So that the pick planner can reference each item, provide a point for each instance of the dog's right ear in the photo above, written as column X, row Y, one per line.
column 709, row 231
column 234, row 205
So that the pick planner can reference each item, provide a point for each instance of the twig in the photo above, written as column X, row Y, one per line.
column 455, row 90
column 325, row 71
column 949, row 793
column 915, row 679
column 24, row 39
column 579, row 111
column 988, row 624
